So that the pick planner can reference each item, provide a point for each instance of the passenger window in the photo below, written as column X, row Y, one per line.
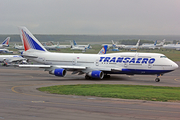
column 163, row 57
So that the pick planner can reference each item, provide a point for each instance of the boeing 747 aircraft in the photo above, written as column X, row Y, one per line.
column 94, row 65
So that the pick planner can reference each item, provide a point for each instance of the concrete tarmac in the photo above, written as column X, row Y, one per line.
column 20, row 99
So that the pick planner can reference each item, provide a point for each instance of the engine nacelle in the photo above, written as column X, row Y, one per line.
column 96, row 74
column 58, row 72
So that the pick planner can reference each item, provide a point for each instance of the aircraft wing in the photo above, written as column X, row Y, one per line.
column 14, row 60
column 69, row 68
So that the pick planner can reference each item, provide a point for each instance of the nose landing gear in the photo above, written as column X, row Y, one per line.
column 158, row 79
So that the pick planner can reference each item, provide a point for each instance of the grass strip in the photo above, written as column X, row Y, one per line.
column 141, row 92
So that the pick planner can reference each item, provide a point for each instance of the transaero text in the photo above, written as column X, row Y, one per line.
column 127, row 60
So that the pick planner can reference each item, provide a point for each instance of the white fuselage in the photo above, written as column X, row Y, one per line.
column 140, row 63
column 11, row 58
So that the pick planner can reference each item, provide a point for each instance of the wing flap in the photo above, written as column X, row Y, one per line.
column 53, row 66
column 34, row 66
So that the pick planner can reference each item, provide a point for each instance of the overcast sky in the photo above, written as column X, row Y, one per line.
column 96, row 17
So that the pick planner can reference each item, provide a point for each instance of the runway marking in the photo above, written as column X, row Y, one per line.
column 176, row 79
column 37, row 101
column 72, row 104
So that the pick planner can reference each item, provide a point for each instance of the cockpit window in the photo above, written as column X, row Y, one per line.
column 163, row 57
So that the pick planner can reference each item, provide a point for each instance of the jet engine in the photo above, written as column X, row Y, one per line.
column 58, row 72
column 96, row 74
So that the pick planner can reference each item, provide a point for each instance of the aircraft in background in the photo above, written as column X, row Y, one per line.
column 172, row 46
column 85, row 46
column 94, row 65
column 9, row 59
column 61, row 46
column 5, row 43
column 5, row 51
column 19, row 47
column 82, row 48
column 50, row 47
column 153, row 46
column 116, row 45
column 158, row 46
column 148, row 46
column 132, row 47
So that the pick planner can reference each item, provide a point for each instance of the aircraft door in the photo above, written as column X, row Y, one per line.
column 74, row 61
column 149, row 65
column 97, row 62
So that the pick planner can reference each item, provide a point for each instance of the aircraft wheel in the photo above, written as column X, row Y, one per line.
column 107, row 76
column 157, row 79
column 87, row 77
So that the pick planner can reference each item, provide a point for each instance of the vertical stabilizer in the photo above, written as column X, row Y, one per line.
column 162, row 43
column 103, row 50
column 113, row 45
column 74, row 42
column 155, row 43
column 29, row 41
column 6, row 42
column 138, row 43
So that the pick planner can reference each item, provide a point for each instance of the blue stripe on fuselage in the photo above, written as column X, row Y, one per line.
column 140, row 71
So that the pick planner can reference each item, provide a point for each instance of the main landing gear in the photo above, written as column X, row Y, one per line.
column 158, row 79
column 89, row 78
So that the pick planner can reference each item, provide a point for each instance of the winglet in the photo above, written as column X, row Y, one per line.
column 103, row 50
column 29, row 41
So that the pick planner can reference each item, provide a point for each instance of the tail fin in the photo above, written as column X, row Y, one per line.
column 74, row 42
column 44, row 44
column 29, row 41
column 6, row 42
column 51, row 42
column 162, row 43
column 155, row 43
column 88, row 46
column 72, row 45
column 112, row 42
column 114, row 45
column 138, row 43
column 103, row 50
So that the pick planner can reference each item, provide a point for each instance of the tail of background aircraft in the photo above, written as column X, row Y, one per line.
column 138, row 43
column 103, row 50
column 88, row 46
column 44, row 44
column 112, row 42
column 114, row 45
column 71, row 43
column 162, row 43
column 155, row 43
column 74, row 42
column 29, row 41
column 6, row 42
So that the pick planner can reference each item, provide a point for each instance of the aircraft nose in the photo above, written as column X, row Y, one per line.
column 174, row 65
